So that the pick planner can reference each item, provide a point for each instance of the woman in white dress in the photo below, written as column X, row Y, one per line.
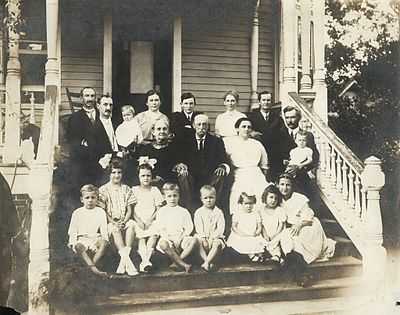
column 225, row 122
column 147, row 119
column 304, row 240
column 250, row 163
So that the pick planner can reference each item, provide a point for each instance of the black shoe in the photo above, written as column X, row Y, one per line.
column 305, row 281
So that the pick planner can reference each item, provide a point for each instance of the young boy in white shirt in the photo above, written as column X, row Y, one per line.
column 301, row 156
column 174, row 225
column 88, row 235
column 209, row 224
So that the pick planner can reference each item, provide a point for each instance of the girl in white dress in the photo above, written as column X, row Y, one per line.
column 149, row 200
column 245, row 237
column 273, row 219
column 225, row 122
column 250, row 163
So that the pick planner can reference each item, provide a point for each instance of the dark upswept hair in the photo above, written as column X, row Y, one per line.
column 285, row 175
column 263, row 93
column 115, row 163
column 244, row 196
column 271, row 189
column 187, row 95
column 240, row 120
column 152, row 92
column 234, row 93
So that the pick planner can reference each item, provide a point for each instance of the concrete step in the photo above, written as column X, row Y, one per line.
column 136, row 302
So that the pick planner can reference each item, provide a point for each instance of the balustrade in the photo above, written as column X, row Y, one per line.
column 339, row 175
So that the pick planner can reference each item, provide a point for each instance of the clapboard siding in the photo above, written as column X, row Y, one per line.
column 79, row 69
column 266, row 61
column 216, row 58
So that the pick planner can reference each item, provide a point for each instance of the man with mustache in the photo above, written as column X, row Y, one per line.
column 292, row 116
column 90, row 135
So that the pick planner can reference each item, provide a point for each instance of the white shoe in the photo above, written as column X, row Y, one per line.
column 142, row 266
column 130, row 267
column 121, row 267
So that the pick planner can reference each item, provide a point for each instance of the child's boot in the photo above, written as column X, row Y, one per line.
column 130, row 267
column 122, row 264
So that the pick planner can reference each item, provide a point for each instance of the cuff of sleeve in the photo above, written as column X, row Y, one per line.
column 227, row 168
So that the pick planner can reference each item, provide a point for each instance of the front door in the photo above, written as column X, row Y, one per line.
column 142, row 57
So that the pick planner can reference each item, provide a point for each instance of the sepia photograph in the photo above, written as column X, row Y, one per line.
column 174, row 157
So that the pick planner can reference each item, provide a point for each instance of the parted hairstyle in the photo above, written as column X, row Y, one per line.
column 208, row 188
column 170, row 187
column 187, row 95
column 89, row 188
column 152, row 92
column 144, row 166
column 240, row 120
column 263, row 93
column 128, row 107
column 271, row 189
column 243, row 196
column 234, row 93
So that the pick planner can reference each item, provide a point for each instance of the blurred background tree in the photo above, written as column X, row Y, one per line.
column 364, row 47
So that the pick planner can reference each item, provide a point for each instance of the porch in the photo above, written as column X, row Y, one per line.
column 245, row 45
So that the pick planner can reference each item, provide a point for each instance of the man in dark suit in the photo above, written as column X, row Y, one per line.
column 267, row 123
column 181, row 122
column 292, row 118
column 91, row 136
column 205, row 161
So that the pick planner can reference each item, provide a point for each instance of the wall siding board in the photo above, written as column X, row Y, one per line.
column 216, row 58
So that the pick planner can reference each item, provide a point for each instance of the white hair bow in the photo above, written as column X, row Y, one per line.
column 146, row 160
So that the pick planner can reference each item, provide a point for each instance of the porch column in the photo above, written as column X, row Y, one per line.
column 41, row 173
column 289, row 34
column 321, row 95
column 107, row 52
column 305, row 82
column 254, row 58
column 177, row 64
column 13, row 86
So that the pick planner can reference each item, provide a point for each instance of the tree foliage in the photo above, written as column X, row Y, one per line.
column 364, row 46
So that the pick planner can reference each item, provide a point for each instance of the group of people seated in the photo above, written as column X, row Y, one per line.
column 169, row 185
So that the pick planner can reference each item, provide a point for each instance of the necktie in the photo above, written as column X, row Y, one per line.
column 201, row 145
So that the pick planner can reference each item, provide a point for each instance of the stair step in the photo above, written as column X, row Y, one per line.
column 134, row 302
column 227, row 276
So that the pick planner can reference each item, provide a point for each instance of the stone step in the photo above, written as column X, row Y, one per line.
column 226, row 276
column 136, row 302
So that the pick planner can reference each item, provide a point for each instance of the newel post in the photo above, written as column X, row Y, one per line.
column 374, row 258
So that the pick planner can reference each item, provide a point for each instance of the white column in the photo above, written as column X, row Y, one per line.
column 41, row 174
column 374, row 257
column 289, row 37
column 305, row 82
column 107, row 52
column 254, row 57
column 321, row 95
column 13, row 88
column 177, row 64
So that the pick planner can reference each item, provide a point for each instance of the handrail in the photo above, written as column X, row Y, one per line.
column 334, row 140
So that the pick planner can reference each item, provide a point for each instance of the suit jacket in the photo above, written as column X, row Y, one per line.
column 202, row 165
column 179, row 123
column 270, row 130
column 80, row 129
column 9, row 223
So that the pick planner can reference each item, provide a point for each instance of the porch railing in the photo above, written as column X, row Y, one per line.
column 349, row 187
column 32, row 102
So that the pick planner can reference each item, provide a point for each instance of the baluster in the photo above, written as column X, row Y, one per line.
column 320, row 146
column 345, row 190
column 358, row 204
column 32, row 109
column 327, row 160
column 363, row 203
column 351, row 188
column 333, row 167
column 339, row 173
